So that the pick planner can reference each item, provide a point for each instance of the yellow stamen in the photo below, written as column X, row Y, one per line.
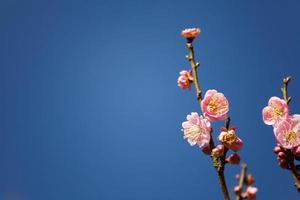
column 213, row 106
column 277, row 111
column 291, row 137
column 229, row 138
column 193, row 132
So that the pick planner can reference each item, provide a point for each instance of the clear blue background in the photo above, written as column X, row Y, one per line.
column 90, row 107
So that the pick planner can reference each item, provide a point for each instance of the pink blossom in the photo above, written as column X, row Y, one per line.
column 277, row 108
column 233, row 159
column 185, row 79
column 197, row 130
column 230, row 140
column 251, row 192
column 287, row 132
column 190, row 33
column 218, row 151
column 214, row 106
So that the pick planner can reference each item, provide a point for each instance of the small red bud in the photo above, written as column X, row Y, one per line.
column 237, row 189
column 277, row 149
column 250, row 179
column 206, row 150
column 283, row 164
column 282, row 155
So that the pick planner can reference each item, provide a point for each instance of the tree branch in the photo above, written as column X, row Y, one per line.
column 194, row 66
column 241, row 180
column 291, row 164
column 219, row 166
column 285, row 83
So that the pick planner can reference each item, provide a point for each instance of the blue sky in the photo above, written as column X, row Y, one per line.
column 90, row 107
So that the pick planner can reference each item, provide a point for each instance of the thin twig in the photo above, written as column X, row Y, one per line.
column 285, row 83
column 242, row 180
column 219, row 166
column 291, row 165
column 194, row 65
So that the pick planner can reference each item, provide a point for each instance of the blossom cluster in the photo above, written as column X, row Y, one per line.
column 197, row 129
column 286, row 127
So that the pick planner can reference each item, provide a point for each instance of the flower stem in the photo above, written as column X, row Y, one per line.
column 222, row 182
column 219, row 166
column 291, row 164
column 285, row 83
column 194, row 66
column 241, row 180
column 296, row 177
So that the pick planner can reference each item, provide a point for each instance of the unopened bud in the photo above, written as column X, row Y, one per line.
column 283, row 164
column 277, row 149
column 233, row 159
column 250, row 179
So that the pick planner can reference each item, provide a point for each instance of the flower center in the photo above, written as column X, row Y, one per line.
column 229, row 138
column 291, row 137
column 277, row 112
column 193, row 131
column 213, row 106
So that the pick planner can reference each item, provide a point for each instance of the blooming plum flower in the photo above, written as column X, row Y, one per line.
column 197, row 130
column 277, row 108
column 214, row 106
column 190, row 33
column 287, row 132
column 185, row 79
column 228, row 138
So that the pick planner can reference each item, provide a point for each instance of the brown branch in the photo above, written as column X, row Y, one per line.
column 291, row 164
column 295, row 176
column 285, row 83
column 242, row 180
column 219, row 166
column 194, row 66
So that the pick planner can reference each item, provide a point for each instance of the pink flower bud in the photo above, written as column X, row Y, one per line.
column 251, row 192
column 218, row 151
column 277, row 149
column 283, row 164
column 250, row 179
column 237, row 189
column 185, row 79
column 233, row 159
column 230, row 140
column 206, row 150
column 282, row 155
column 190, row 33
